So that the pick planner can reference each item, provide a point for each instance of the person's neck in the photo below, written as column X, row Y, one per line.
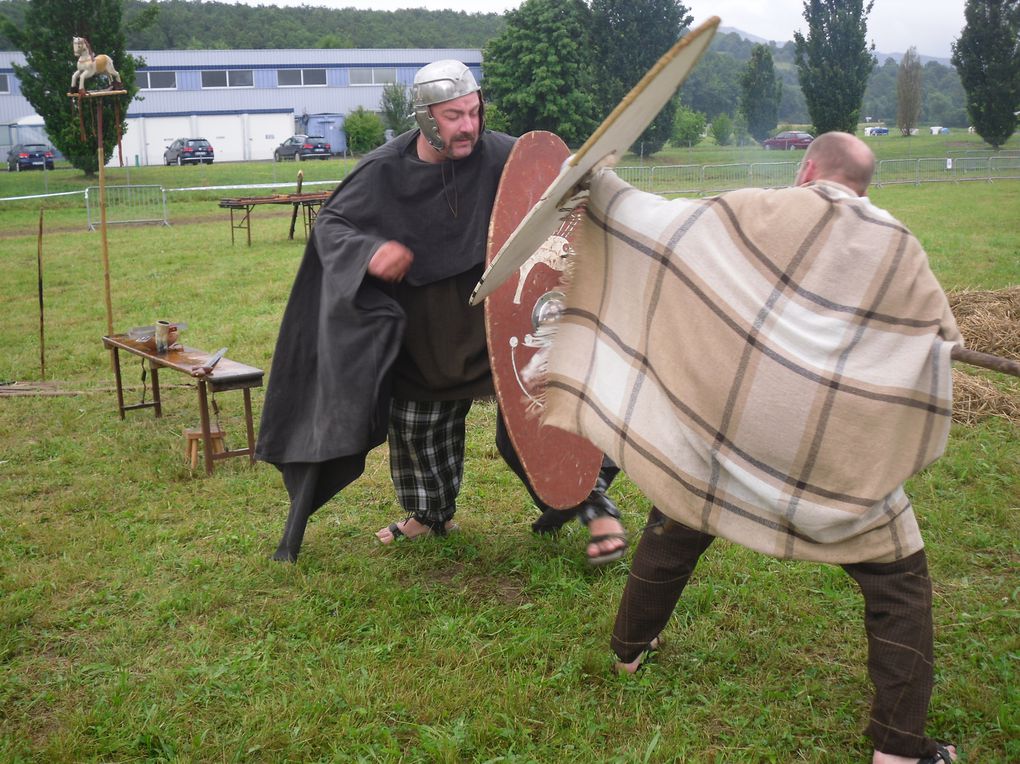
column 429, row 153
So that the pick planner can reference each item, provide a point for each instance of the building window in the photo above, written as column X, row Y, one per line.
column 227, row 78
column 375, row 76
column 293, row 78
column 5, row 84
column 156, row 80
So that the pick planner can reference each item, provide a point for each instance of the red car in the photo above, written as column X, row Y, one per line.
column 788, row 139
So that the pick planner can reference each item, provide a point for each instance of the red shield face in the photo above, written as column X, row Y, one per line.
column 562, row 467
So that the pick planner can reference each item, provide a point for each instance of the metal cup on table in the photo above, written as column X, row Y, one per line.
column 163, row 331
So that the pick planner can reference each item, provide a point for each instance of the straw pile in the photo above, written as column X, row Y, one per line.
column 975, row 398
column 990, row 323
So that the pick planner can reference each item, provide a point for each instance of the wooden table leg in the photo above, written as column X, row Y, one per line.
column 203, row 409
column 248, row 423
column 156, row 400
column 120, row 386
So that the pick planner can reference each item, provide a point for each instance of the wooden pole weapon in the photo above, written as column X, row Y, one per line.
column 986, row 361
column 293, row 216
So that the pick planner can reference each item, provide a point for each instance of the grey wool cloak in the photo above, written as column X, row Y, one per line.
column 327, row 401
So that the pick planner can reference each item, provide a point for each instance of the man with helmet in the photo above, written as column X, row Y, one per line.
column 378, row 341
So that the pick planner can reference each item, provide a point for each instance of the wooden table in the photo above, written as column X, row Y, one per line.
column 228, row 375
column 309, row 203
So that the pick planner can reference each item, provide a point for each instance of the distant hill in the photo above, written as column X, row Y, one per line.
column 193, row 25
column 878, row 54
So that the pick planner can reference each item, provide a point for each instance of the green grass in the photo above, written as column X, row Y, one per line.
column 141, row 619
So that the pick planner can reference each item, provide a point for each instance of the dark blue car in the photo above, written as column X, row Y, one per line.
column 29, row 156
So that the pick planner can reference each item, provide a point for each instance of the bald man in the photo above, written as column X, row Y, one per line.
column 832, row 180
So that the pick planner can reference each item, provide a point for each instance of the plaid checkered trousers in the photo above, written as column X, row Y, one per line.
column 426, row 440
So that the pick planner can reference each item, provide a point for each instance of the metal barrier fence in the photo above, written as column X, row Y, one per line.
column 986, row 153
column 127, row 204
column 957, row 169
column 706, row 180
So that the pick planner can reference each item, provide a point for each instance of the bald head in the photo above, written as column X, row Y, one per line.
column 841, row 158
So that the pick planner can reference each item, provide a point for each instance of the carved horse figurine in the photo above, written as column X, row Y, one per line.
column 89, row 65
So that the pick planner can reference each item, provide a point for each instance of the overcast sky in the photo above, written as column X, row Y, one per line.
column 894, row 25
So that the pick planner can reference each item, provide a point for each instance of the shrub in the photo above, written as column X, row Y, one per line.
column 364, row 131
column 688, row 127
column 722, row 130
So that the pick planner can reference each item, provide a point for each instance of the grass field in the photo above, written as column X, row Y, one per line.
column 141, row 619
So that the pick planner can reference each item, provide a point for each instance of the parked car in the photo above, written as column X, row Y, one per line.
column 299, row 147
column 189, row 151
column 28, row 156
column 876, row 131
column 788, row 139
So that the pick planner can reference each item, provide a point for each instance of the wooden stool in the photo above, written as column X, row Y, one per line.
column 193, row 443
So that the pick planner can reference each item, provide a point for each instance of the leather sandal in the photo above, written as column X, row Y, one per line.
column 631, row 667
column 597, row 505
column 431, row 527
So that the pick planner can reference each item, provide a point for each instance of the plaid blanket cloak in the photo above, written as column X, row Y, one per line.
column 767, row 366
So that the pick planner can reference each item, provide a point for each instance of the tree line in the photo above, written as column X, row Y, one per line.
column 712, row 89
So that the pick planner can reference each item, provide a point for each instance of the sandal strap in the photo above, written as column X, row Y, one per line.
column 608, row 537
column 595, row 506
column 941, row 754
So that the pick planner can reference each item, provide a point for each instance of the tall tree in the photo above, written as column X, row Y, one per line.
column 987, row 56
column 760, row 93
column 834, row 61
column 908, row 91
column 539, row 72
column 396, row 108
column 630, row 36
column 45, row 40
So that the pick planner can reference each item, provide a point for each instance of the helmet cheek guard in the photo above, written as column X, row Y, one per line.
column 436, row 83
column 429, row 128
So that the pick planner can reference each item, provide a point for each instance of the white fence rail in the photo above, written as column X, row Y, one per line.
column 148, row 204
column 706, row 180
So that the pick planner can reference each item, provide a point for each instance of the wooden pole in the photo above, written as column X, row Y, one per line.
column 986, row 361
column 293, row 216
column 42, row 319
column 102, row 218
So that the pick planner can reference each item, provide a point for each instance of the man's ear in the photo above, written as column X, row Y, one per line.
column 808, row 172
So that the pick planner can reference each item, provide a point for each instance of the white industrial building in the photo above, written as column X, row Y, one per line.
column 244, row 102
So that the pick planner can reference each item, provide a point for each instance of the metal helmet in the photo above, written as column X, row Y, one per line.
column 438, row 82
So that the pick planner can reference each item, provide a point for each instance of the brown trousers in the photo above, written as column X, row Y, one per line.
column 897, row 620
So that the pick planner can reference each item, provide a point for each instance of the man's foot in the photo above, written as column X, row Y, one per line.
column 608, row 541
column 634, row 665
column 410, row 529
column 944, row 754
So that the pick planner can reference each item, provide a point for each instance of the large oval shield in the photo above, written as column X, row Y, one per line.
column 561, row 466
